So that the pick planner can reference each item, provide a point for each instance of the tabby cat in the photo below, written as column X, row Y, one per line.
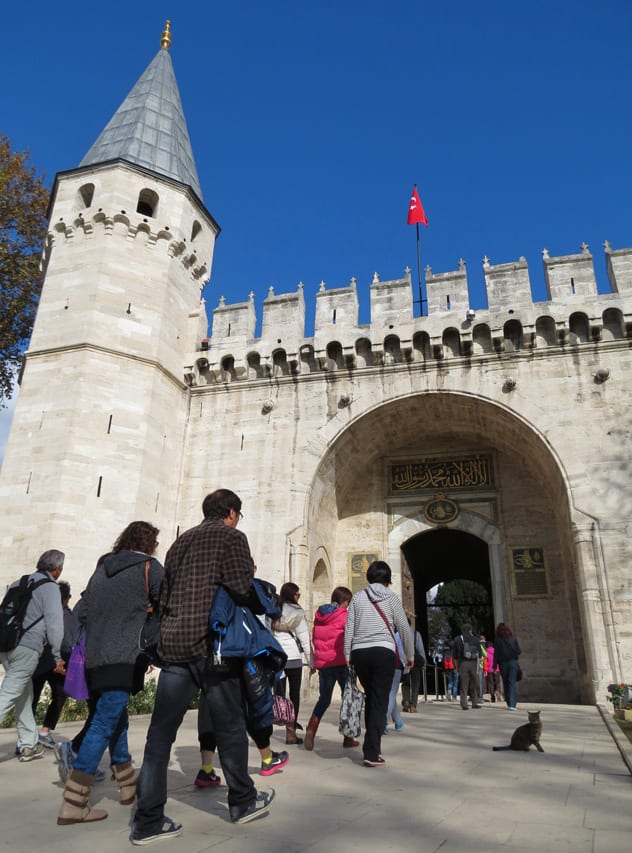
column 526, row 736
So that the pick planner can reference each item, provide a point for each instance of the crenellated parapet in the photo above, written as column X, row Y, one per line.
column 573, row 314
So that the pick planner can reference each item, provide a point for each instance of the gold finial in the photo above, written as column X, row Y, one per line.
column 165, row 38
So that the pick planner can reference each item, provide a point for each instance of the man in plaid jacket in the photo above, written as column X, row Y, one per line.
column 212, row 554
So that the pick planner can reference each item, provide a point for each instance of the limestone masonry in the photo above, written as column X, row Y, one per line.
column 488, row 444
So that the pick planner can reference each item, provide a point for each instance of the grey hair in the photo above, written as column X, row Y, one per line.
column 50, row 560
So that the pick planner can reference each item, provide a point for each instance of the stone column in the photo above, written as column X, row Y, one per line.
column 596, row 641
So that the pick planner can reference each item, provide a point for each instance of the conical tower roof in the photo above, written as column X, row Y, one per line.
column 149, row 128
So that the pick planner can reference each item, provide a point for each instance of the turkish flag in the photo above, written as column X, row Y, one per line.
column 416, row 212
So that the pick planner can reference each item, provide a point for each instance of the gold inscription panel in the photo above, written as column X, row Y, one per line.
column 468, row 473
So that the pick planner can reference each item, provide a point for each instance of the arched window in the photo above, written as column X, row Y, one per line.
column 364, row 353
column 86, row 194
column 545, row 332
column 334, row 356
column 147, row 203
column 228, row 369
column 253, row 360
column 279, row 363
column 195, row 230
column 578, row 328
column 481, row 339
column 612, row 324
column 421, row 346
column 452, row 342
column 513, row 335
column 392, row 350
column 308, row 362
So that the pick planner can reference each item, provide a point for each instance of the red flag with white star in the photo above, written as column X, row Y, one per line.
column 416, row 212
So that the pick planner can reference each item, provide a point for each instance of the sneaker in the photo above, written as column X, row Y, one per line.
column 30, row 753
column 99, row 775
column 377, row 762
column 386, row 731
column 399, row 726
column 279, row 760
column 65, row 759
column 207, row 780
column 169, row 829
column 259, row 806
column 47, row 740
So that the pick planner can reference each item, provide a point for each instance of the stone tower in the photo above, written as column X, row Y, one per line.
column 98, row 432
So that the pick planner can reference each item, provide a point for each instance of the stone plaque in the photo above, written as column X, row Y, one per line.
column 358, row 564
column 529, row 573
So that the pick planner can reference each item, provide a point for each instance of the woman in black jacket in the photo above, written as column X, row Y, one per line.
column 506, row 654
column 113, row 610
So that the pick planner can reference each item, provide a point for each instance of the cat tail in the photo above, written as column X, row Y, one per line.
column 499, row 748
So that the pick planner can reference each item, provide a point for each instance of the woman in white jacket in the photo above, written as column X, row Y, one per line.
column 293, row 634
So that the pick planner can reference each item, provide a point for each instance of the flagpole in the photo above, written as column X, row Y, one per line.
column 421, row 298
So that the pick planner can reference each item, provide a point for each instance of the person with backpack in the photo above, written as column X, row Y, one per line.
column 30, row 616
column 466, row 651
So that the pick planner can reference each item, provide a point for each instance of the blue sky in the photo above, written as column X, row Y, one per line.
column 310, row 123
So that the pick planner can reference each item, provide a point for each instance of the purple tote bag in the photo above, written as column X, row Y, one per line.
column 75, row 684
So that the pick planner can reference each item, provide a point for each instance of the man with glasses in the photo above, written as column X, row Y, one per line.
column 208, row 555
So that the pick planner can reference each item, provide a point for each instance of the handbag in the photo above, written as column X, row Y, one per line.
column 519, row 674
column 351, row 707
column 283, row 711
column 150, row 631
column 75, row 684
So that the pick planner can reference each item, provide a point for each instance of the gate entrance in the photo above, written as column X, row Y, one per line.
column 452, row 585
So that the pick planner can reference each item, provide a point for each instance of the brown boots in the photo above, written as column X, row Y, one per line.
column 126, row 778
column 290, row 734
column 349, row 742
column 75, row 807
column 312, row 728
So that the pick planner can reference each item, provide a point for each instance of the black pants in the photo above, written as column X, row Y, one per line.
column 177, row 685
column 374, row 667
column 58, row 697
column 206, row 735
column 294, row 675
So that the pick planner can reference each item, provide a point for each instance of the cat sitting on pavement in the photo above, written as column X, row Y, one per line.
column 526, row 736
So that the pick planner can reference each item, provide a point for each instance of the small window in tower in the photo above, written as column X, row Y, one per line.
column 86, row 194
column 147, row 203
column 195, row 230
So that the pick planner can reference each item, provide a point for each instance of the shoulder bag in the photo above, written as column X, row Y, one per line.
column 351, row 707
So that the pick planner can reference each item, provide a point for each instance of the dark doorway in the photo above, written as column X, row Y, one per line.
column 460, row 563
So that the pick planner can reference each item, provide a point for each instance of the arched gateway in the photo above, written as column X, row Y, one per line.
column 447, row 485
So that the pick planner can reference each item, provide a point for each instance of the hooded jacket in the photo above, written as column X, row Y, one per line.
column 113, row 610
column 328, row 636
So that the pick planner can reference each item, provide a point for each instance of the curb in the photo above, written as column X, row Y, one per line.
column 623, row 744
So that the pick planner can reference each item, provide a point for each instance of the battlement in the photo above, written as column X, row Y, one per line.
column 573, row 313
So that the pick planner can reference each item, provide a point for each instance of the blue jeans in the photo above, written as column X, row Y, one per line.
column 107, row 729
column 393, row 708
column 177, row 685
column 452, row 682
column 327, row 679
column 508, row 672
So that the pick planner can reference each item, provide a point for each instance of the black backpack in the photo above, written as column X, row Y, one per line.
column 13, row 610
column 471, row 647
